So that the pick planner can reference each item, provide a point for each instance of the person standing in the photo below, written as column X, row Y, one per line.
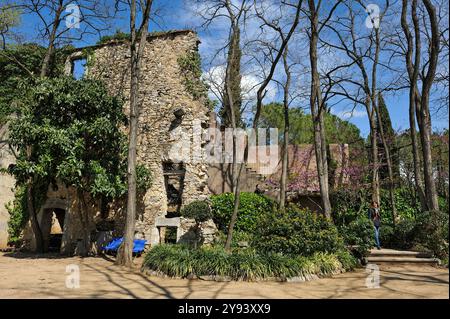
column 374, row 215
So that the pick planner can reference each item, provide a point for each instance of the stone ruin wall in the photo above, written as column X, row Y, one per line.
column 162, row 92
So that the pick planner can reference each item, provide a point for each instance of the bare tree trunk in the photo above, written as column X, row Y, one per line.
column 375, row 182
column 84, row 220
column 425, row 118
column 285, row 150
column 413, row 72
column 324, row 157
column 125, row 253
column 237, row 194
column 418, row 181
column 45, row 68
column 430, row 186
column 317, row 114
column 33, row 218
column 380, row 125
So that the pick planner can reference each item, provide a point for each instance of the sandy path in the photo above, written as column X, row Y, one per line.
column 25, row 276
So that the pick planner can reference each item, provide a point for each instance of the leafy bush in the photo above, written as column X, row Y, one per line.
column 18, row 215
column 18, row 209
column 359, row 233
column 428, row 231
column 431, row 230
column 349, row 204
column 296, row 232
column 406, row 203
column 245, row 264
column 251, row 207
column 413, row 230
column 387, row 236
column 404, row 234
column 198, row 210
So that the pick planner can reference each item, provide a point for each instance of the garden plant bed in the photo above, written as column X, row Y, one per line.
column 216, row 264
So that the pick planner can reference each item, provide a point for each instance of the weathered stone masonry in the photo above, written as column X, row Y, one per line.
column 167, row 108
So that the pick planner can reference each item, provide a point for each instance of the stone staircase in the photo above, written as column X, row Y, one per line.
column 391, row 256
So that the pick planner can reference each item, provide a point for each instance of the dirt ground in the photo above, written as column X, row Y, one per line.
column 31, row 276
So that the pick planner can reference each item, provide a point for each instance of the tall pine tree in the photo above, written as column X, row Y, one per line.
column 390, row 136
column 234, row 60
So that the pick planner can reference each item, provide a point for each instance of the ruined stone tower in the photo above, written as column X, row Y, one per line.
column 170, row 107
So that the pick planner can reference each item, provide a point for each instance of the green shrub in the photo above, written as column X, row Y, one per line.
column 244, row 264
column 296, row 232
column 348, row 205
column 431, row 230
column 347, row 260
column 403, row 236
column 387, row 236
column 406, row 203
column 359, row 233
column 400, row 237
column 18, row 215
column 198, row 210
column 251, row 207
column 428, row 231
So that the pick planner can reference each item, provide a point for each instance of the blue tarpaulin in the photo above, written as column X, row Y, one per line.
column 138, row 245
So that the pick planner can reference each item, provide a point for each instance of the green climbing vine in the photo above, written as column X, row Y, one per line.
column 89, row 54
column 18, row 209
column 18, row 215
column 191, row 71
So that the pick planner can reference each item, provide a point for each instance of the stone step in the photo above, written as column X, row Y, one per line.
column 401, row 260
column 399, row 253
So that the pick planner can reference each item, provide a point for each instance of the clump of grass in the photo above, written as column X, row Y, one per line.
column 242, row 264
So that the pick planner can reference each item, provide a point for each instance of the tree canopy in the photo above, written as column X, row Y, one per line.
column 301, row 127
column 74, row 128
column 19, row 63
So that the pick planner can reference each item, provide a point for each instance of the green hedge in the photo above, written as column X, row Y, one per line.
column 296, row 231
column 245, row 264
column 251, row 208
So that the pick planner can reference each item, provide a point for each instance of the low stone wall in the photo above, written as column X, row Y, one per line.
column 187, row 232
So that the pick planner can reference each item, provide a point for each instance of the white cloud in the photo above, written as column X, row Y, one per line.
column 345, row 115
column 215, row 77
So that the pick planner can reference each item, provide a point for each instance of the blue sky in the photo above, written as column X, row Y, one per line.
column 178, row 14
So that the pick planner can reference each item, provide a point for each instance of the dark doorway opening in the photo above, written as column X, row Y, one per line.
column 174, row 182
column 53, row 228
column 168, row 235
